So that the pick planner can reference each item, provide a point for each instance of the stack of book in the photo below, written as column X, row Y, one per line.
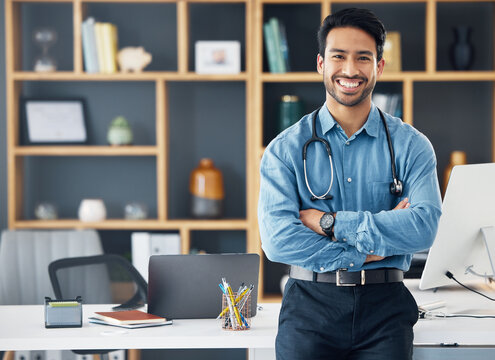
column 100, row 46
column 130, row 319
column 276, row 46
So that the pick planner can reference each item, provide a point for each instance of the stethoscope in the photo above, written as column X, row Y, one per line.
column 395, row 187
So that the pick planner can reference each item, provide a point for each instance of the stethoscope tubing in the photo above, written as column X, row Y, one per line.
column 316, row 138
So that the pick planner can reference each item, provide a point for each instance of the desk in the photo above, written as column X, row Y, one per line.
column 22, row 328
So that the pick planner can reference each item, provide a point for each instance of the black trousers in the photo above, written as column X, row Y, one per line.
column 323, row 321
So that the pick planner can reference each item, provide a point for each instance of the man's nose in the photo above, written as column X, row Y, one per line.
column 350, row 68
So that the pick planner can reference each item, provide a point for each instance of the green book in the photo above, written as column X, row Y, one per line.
column 275, row 26
column 270, row 48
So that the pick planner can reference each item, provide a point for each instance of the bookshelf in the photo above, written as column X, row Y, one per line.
column 426, row 74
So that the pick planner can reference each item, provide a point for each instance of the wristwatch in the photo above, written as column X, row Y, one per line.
column 327, row 221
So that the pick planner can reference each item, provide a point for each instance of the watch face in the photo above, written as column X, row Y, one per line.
column 326, row 221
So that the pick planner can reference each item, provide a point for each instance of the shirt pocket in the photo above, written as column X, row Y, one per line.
column 381, row 197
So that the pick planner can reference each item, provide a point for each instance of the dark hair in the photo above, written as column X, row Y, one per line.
column 362, row 19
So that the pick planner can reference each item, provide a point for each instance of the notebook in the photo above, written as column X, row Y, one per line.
column 186, row 286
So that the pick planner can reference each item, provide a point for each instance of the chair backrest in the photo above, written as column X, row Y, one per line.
column 24, row 259
column 101, row 279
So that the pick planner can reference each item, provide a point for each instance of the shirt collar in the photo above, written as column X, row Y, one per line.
column 327, row 122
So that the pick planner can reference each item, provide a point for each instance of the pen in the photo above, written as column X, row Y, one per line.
column 230, row 300
column 236, row 311
column 236, row 301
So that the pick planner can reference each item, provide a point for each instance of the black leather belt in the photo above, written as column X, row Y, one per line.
column 343, row 277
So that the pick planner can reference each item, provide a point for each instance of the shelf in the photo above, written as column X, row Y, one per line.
column 400, row 76
column 122, row 224
column 86, row 151
column 143, row 76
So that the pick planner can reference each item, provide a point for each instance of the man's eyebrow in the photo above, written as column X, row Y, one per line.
column 361, row 52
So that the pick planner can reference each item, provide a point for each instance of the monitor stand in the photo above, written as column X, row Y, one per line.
column 488, row 233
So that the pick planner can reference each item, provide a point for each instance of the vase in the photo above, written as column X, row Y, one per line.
column 456, row 158
column 119, row 132
column 206, row 188
column 92, row 210
column 290, row 111
column 461, row 51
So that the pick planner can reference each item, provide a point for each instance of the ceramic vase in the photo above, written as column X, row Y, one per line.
column 119, row 132
column 92, row 210
column 461, row 51
column 207, row 193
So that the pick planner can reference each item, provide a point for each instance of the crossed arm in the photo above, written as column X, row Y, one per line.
column 311, row 219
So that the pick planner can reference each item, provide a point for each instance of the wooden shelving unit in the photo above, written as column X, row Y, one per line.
column 255, row 77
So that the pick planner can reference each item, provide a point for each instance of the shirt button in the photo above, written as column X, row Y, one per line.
column 372, row 251
column 348, row 143
column 344, row 239
column 349, row 180
column 351, row 264
column 322, row 269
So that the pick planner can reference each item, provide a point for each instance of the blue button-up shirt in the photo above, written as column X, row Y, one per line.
column 365, row 222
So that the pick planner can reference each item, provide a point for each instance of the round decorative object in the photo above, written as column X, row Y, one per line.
column 461, row 51
column 46, row 211
column 92, row 210
column 206, row 188
column 119, row 132
column 135, row 211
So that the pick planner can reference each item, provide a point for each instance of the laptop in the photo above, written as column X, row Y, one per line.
column 186, row 286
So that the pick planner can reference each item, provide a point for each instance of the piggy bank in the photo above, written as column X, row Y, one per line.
column 133, row 59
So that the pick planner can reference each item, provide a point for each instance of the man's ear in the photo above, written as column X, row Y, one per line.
column 319, row 63
column 379, row 68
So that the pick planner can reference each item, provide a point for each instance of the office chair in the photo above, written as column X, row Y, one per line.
column 101, row 279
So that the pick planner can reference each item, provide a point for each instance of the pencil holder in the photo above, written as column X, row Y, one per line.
column 236, row 315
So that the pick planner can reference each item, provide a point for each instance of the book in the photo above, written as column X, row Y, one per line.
column 128, row 317
column 89, row 46
column 100, row 47
column 109, row 47
column 271, row 52
column 284, row 46
column 275, row 25
column 94, row 320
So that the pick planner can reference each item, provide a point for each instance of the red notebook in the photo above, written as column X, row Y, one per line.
column 129, row 317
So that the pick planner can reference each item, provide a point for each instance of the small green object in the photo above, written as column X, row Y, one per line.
column 119, row 132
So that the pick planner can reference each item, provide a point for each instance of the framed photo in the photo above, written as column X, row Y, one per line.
column 392, row 52
column 53, row 121
column 218, row 57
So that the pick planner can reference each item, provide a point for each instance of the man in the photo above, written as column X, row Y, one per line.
column 377, row 217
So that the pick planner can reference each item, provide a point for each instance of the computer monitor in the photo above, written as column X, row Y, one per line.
column 466, row 231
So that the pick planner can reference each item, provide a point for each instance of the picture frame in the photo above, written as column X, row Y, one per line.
column 58, row 121
column 218, row 57
column 392, row 52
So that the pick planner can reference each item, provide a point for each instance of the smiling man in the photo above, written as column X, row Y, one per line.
column 347, row 195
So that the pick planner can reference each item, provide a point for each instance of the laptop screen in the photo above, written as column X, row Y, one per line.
column 186, row 286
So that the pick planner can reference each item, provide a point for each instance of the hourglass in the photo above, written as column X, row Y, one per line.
column 45, row 38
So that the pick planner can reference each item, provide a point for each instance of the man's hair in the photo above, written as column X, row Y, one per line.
column 362, row 19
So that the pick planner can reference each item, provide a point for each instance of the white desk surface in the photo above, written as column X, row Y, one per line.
column 22, row 328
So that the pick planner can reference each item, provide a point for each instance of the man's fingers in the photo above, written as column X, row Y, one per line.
column 403, row 204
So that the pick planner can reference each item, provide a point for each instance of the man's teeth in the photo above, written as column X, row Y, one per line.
column 349, row 84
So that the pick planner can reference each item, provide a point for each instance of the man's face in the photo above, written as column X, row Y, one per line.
column 350, row 68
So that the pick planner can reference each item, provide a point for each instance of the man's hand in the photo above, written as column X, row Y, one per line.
column 311, row 219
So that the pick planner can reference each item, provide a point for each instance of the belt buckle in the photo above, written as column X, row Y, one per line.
column 339, row 283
